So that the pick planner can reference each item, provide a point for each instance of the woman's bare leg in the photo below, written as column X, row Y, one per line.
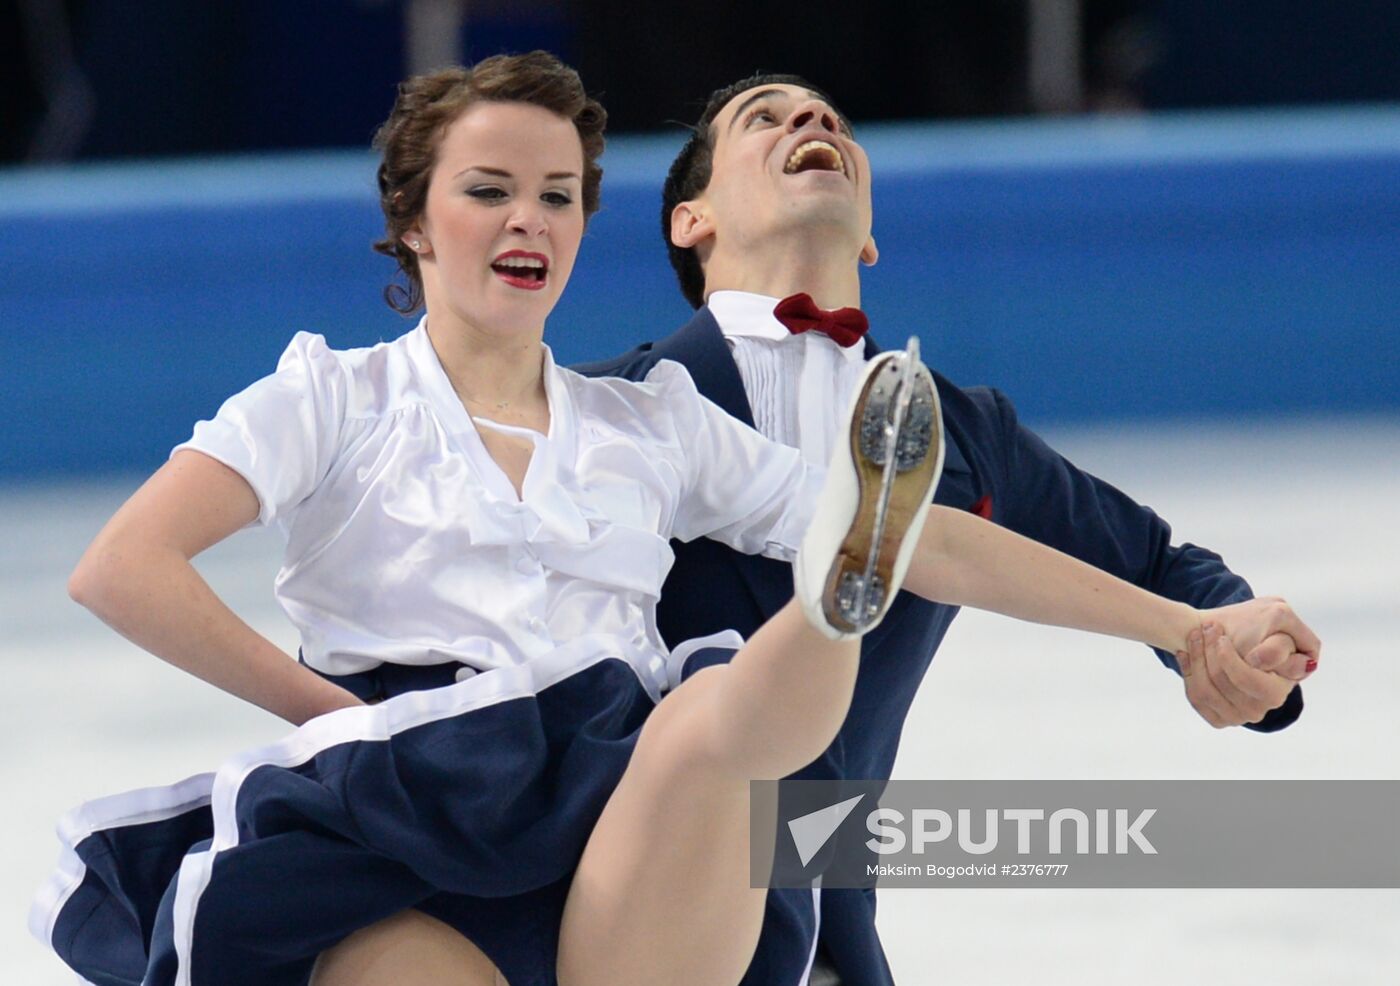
column 408, row 949
column 681, row 813
column 662, row 893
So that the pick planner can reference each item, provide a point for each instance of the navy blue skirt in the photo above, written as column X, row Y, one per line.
column 471, row 802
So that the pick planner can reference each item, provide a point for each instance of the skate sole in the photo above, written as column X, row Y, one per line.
column 912, row 485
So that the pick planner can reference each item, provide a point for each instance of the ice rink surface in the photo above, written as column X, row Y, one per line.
column 1305, row 510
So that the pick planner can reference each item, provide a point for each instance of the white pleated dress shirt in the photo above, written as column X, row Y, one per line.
column 406, row 543
column 799, row 386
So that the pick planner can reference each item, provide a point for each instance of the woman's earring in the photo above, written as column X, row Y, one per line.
column 415, row 244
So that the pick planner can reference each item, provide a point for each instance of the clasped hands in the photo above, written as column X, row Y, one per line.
column 1244, row 659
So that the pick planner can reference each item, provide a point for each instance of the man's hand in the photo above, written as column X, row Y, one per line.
column 1222, row 686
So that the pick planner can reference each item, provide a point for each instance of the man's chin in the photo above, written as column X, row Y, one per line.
column 808, row 212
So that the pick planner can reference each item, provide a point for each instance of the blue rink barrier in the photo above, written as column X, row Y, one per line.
column 1170, row 266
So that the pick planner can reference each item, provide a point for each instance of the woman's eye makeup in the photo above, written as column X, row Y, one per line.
column 493, row 193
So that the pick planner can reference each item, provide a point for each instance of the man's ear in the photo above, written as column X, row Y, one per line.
column 690, row 224
column 870, row 252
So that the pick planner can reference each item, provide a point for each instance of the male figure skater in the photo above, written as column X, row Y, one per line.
column 767, row 217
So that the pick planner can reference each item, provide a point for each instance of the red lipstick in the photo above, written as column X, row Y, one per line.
column 522, row 269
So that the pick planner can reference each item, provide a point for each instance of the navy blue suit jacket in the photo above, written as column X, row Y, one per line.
column 1030, row 489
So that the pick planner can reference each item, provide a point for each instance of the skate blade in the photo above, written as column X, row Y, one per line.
column 864, row 565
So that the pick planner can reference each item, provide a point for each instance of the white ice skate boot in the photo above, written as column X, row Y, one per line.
column 878, row 489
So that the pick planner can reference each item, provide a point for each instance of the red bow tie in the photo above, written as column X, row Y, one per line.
column 846, row 326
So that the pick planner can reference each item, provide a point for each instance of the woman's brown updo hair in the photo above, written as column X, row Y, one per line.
column 428, row 104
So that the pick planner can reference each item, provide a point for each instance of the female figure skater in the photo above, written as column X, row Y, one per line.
column 572, row 804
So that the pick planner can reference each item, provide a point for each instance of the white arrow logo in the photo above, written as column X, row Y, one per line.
column 811, row 832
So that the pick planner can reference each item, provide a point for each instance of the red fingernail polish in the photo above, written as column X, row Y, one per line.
column 1311, row 666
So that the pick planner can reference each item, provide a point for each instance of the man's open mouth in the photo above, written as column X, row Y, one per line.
column 815, row 155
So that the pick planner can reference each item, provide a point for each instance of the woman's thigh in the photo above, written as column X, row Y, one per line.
column 408, row 949
column 662, row 893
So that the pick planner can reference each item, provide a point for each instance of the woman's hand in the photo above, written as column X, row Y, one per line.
column 1245, row 660
column 1269, row 636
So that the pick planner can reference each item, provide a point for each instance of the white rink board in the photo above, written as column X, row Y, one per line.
column 1307, row 511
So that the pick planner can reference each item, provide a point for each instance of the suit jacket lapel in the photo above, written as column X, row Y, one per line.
column 699, row 346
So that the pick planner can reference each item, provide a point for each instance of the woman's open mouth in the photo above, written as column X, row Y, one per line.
column 519, row 269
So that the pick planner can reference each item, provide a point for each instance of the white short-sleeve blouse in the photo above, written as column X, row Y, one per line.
column 406, row 543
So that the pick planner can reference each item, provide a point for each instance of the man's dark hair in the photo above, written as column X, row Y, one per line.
column 690, row 175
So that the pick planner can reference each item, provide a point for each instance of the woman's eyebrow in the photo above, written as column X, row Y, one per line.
column 494, row 172
column 502, row 173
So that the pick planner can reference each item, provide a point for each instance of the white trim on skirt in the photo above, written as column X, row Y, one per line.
column 380, row 722
column 374, row 723
column 151, row 804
